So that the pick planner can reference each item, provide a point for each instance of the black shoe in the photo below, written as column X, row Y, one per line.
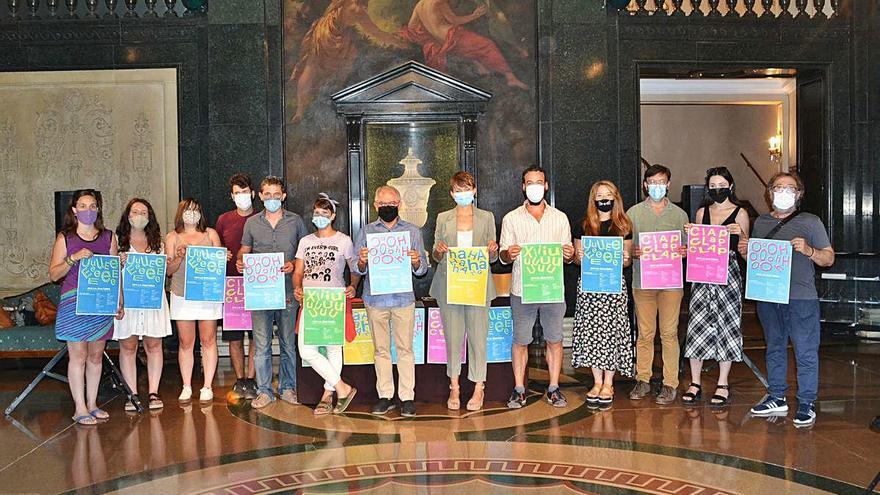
column 239, row 388
column 517, row 400
column 556, row 399
column 384, row 406
column 250, row 389
column 408, row 409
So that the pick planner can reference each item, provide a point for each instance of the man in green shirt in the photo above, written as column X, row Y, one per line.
column 655, row 214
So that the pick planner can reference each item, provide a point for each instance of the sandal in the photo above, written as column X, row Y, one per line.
column 99, row 413
column 156, row 401
column 473, row 404
column 593, row 394
column 129, row 405
column 453, row 404
column 324, row 407
column 342, row 403
column 85, row 420
column 720, row 400
column 606, row 395
column 691, row 397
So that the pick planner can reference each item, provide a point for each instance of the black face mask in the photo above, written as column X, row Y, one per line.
column 719, row 195
column 605, row 205
column 388, row 213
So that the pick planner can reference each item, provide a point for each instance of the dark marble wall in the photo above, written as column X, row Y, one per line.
column 231, row 99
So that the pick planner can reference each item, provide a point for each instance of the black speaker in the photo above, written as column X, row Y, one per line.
column 62, row 203
column 692, row 199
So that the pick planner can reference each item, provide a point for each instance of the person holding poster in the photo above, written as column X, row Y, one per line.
column 229, row 227
column 714, row 330
column 398, row 308
column 799, row 319
column 191, row 229
column 82, row 235
column 656, row 214
column 321, row 259
column 464, row 226
column 139, row 232
column 602, row 338
column 274, row 230
column 534, row 222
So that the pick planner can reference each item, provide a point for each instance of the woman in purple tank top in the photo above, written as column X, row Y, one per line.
column 82, row 236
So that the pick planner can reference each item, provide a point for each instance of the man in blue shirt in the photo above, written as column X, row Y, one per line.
column 394, row 310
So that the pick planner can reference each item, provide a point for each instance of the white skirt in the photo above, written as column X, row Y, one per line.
column 143, row 323
column 181, row 309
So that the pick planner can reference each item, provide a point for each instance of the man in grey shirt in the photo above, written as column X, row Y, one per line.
column 274, row 230
column 799, row 319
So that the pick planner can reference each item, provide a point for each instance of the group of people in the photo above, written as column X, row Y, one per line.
column 601, row 337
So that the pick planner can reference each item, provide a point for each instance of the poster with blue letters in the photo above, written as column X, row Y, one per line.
column 264, row 281
column 389, row 263
column 768, row 270
column 143, row 281
column 205, row 275
column 602, row 264
column 97, row 291
column 418, row 342
column 500, row 339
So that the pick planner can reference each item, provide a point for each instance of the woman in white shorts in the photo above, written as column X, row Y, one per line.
column 190, row 229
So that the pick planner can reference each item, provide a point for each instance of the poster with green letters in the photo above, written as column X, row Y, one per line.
column 324, row 315
column 541, row 273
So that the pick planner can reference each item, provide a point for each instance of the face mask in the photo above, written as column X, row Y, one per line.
column 784, row 200
column 463, row 198
column 605, row 205
column 719, row 195
column 535, row 193
column 388, row 213
column 320, row 222
column 138, row 221
column 191, row 217
column 657, row 191
column 272, row 205
column 242, row 201
column 87, row 217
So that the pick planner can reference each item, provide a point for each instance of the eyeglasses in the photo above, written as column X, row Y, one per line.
column 657, row 182
column 777, row 189
column 274, row 196
column 532, row 183
column 379, row 205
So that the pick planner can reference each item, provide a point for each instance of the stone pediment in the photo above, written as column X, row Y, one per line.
column 411, row 88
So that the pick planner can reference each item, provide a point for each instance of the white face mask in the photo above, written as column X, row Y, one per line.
column 138, row 221
column 191, row 217
column 784, row 200
column 243, row 201
column 535, row 192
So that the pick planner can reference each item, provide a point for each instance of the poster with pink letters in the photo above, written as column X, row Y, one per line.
column 437, row 339
column 660, row 261
column 708, row 251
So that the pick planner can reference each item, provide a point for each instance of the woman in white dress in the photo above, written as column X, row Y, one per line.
column 190, row 229
column 139, row 232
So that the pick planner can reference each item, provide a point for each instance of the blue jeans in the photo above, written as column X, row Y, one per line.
column 285, row 321
column 799, row 321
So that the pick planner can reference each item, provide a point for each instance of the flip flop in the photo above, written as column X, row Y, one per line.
column 342, row 403
column 85, row 420
column 323, row 408
column 99, row 413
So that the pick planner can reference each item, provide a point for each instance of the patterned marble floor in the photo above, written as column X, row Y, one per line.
column 631, row 448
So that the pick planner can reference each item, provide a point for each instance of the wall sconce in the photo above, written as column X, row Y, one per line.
column 775, row 148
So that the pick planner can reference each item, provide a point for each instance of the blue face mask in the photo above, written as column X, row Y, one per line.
column 656, row 191
column 463, row 198
column 272, row 205
column 320, row 222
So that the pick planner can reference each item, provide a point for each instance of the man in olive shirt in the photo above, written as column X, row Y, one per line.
column 655, row 214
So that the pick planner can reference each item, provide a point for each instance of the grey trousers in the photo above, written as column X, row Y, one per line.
column 459, row 320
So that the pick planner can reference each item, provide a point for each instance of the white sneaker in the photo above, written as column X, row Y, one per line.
column 206, row 394
column 186, row 393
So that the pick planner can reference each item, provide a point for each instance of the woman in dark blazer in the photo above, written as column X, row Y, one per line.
column 464, row 226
